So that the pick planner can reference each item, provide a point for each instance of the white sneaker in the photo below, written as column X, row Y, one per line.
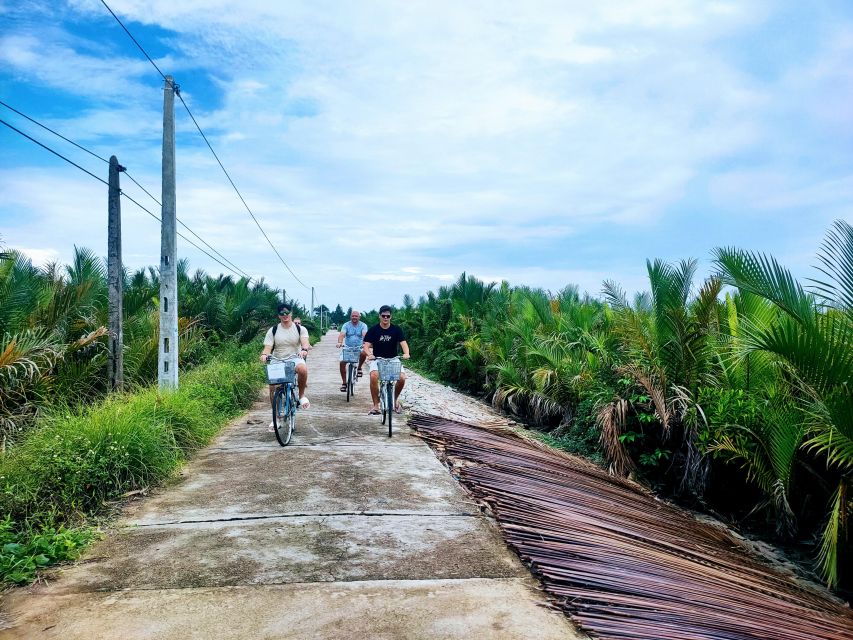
column 303, row 403
column 271, row 428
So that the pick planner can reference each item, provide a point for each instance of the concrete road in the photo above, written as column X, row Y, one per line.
column 345, row 533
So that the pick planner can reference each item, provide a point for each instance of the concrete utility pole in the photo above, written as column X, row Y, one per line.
column 114, row 278
column 167, row 360
column 311, row 311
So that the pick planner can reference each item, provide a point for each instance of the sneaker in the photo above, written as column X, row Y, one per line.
column 271, row 428
column 303, row 403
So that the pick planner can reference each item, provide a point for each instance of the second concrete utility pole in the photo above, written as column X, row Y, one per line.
column 114, row 278
column 167, row 361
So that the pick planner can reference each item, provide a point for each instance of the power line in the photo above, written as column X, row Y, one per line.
column 43, row 126
column 239, row 194
column 178, row 93
column 234, row 268
column 99, row 179
column 56, row 153
column 134, row 39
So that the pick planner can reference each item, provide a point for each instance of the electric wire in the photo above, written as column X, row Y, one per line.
column 239, row 195
column 99, row 179
column 130, row 35
column 56, row 133
column 227, row 175
column 234, row 267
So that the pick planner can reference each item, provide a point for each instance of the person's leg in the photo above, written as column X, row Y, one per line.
column 343, row 372
column 398, row 388
column 272, row 396
column 301, row 378
column 361, row 358
column 374, row 388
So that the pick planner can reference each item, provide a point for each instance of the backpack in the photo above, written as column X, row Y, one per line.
column 296, row 324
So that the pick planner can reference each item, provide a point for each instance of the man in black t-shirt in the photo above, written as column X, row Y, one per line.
column 381, row 341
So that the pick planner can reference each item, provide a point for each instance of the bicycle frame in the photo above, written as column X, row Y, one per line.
column 388, row 377
column 352, row 368
column 285, row 399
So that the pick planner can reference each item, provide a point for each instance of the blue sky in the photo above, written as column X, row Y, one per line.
column 386, row 147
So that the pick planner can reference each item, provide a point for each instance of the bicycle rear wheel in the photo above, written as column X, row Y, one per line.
column 389, row 402
column 282, row 421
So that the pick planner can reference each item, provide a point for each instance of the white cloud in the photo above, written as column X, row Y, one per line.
column 432, row 133
column 40, row 257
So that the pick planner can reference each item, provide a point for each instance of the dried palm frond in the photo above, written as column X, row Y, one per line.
column 620, row 562
column 611, row 419
column 654, row 384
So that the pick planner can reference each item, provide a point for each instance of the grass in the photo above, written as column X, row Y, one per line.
column 79, row 460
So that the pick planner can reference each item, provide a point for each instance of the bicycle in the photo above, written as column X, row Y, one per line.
column 389, row 373
column 282, row 372
column 351, row 356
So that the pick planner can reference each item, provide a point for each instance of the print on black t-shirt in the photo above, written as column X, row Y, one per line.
column 385, row 341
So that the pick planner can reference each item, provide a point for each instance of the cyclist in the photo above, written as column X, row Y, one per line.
column 381, row 342
column 283, row 340
column 352, row 335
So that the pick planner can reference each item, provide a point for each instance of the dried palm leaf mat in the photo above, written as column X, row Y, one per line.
column 619, row 562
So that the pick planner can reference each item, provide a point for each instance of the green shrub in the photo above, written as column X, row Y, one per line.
column 78, row 460
column 581, row 436
column 23, row 552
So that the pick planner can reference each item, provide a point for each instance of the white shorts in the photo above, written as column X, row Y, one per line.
column 373, row 365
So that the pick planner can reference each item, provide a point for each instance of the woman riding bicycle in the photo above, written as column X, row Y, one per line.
column 283, row 341
column 381, row 342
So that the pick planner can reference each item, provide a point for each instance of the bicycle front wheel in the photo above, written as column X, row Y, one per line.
column 282, row 419
column 350, row 380
column 389, row 402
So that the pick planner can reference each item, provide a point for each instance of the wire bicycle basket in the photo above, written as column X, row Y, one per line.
column 351, row 354
column 389, row 369
column 281, row 372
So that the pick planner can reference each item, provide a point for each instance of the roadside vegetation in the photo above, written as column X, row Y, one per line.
column 68, row 448
column 734, row 394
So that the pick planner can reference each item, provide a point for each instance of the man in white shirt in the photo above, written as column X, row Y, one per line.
column 287, row 341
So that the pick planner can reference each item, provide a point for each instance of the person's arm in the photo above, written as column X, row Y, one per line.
column 267, row 350
column 303, row 336
column 341, row 336
column 405, row 347
column 368, row 349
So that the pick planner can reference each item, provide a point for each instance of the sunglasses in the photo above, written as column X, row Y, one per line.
column 384, row 315
column 281, row 315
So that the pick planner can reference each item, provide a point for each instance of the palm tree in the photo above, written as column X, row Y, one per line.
column 667, row 349
column 812, row 338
